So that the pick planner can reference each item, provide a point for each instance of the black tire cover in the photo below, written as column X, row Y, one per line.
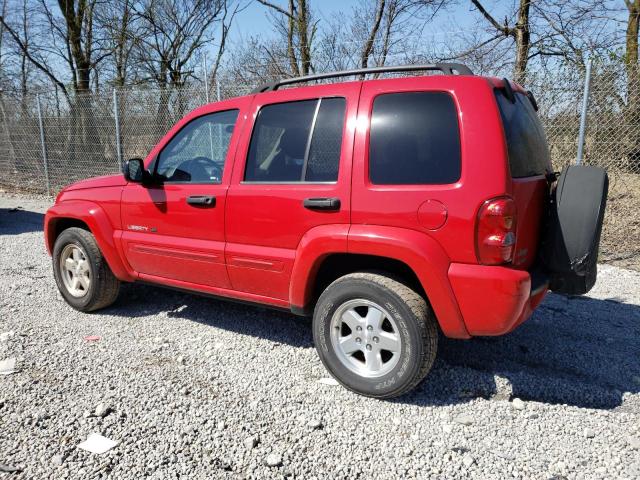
column 574, row 225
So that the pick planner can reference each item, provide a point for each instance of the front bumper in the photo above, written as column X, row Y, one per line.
column 494, row 300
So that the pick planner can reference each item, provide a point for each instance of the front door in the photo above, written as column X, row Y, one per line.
column 292, row 173
column 173, row 227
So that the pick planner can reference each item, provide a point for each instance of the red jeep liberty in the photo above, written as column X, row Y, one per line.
column 389, row 209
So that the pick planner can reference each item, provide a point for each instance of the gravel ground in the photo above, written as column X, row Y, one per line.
column 197, row 388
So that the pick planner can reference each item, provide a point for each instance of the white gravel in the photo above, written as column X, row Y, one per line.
column 198, row 388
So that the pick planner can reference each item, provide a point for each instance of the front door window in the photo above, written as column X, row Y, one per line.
column 197, row 153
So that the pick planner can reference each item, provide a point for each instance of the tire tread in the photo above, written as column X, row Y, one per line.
column 423, row 315
column 108, row 286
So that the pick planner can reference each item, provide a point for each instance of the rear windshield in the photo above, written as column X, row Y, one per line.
column 526, row 141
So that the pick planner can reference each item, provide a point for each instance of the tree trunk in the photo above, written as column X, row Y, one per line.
column 368, row 46
column 303, row 34
column 522, row 37
column 633, row 80
column 631, row 57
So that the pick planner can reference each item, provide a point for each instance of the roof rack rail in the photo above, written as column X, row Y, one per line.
column 446, row 68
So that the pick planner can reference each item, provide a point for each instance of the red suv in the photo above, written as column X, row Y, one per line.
column 389, row 209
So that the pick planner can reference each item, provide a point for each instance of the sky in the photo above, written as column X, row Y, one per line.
column 254, row 20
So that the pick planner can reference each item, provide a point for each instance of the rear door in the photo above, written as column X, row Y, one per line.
column 529, row 162
column 292, row 173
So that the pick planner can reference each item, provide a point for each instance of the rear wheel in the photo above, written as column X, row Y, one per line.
column 375, row 335
column 81, row 272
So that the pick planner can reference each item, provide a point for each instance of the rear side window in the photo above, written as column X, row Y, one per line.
column 297, row 142
column 414, row 139
column 526, row 141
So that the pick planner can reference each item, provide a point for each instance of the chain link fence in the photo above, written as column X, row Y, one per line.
column 48, row 141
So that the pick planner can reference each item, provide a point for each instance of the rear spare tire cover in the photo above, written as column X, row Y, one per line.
column 570, row 245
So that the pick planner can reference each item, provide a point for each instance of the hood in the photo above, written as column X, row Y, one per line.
column 116, row 180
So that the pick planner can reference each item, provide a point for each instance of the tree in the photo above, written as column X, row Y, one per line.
column 631, row 52
column 375, row 27
column 121, row 28
column 633, row 75
column 519, row 32
column 295, row 23
column 173, row 31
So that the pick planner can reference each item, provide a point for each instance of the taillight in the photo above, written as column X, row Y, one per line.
column 496, row 231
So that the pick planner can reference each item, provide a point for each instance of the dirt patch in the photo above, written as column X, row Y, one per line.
column 620, row 244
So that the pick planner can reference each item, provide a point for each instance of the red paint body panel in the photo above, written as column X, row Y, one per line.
column 268, row 221
column 260, row 244
column 218, row 292
column 426, row 258
column 316, row 245
column 398, row 205
column 98, row 182
column 176, row 233
column 165, row 237
column 95, row 216
column 493, row 300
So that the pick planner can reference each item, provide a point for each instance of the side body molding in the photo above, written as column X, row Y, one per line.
column 99, row 224
column 425, row 257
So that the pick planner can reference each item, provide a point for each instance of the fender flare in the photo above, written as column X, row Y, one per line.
column 100, row 226
column 425, row 257
column 314, row 246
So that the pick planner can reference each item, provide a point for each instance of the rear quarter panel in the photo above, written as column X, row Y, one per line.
column 483, row 175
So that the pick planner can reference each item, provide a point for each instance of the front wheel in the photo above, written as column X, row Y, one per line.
column 375, row 335
column 81, row 272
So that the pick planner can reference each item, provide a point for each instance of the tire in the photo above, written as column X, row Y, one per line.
column 99, row 288
column 372, row 370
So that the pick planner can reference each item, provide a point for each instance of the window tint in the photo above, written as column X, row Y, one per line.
column 414, row 139
column 280, row 149
column 326, row 143
column 196, row 154
column 526, row 141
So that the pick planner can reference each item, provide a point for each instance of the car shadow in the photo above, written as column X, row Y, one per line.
column 137, row 300
column 14, row 221
column 576, row 351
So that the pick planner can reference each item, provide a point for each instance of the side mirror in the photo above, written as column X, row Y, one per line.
column 134, row 170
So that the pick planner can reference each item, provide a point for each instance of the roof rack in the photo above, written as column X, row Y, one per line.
column 446, row 68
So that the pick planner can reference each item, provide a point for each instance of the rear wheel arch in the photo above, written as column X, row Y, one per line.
column 333, row 266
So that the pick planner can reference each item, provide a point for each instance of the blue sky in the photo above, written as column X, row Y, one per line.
column 254, row 20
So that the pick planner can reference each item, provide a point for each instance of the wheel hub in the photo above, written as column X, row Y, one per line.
column 365, row 338
column 75, row 270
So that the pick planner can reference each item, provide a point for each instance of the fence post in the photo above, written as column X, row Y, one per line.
column 116, row 116
column 206, row 78
column 583, row 114
column 44, row 145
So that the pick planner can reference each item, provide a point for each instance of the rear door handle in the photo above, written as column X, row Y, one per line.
column 201, row 201
column 322, row 203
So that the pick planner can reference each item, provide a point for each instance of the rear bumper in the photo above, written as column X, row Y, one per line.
column 495, row 300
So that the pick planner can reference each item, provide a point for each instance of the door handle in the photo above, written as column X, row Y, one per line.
column 201, row 201
column 322, row 203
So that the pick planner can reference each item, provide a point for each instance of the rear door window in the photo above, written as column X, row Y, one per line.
column 414, row 139
column 526, row 141
column 297, row 142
